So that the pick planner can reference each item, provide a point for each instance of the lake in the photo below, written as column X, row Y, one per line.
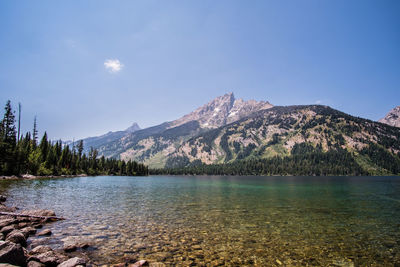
column 223, row 220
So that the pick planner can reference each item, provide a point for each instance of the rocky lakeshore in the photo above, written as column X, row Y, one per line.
column 29, row 176
column 16, row 249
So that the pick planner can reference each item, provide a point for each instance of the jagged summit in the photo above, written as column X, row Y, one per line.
column 392, row 118
column 222, row 110
column 133, row 128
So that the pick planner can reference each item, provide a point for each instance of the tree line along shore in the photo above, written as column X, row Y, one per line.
column 23, row 154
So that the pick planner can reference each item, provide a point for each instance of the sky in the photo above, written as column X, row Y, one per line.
column 88, row 67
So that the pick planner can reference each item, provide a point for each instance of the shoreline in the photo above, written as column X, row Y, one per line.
column 25, row 238
column 17, row 226
column 32, row 177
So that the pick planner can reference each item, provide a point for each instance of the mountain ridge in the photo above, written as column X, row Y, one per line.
column 228, row 130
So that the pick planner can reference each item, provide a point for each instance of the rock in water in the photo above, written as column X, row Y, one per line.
column 70, row 248
column 50, row 258
column 45, row 232
column 27, row 231
column 138, row 263
column 73, row 262
column 35, row 264
column 40, row 250
column 12, row 253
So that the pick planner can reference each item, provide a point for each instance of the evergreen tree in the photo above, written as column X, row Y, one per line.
column 34, row 133
column 8, row 140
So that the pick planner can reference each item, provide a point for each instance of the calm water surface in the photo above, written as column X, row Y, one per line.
column 183, row 220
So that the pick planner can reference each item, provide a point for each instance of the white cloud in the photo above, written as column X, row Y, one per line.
column 113, row 65
column 318, row 102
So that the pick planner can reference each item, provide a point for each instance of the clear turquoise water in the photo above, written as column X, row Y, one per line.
column 183, row 220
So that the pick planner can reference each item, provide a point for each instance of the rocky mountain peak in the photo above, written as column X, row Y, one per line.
column 133, row 128
column 392, row 118
column 222, row 110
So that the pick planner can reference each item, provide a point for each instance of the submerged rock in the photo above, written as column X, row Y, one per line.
column 45, row 232
column 40, row 242
column 156, row 264
column 51, row 258
column 27, row 231
column 12, row 253
column 73, row 262
column 138, row 263
column 70, row 248
column 39, row 250
column 35, row 264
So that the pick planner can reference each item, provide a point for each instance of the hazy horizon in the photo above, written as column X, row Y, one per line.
column 87, row 68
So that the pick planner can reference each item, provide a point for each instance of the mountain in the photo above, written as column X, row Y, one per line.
column 153, row 145
column 109, row 137
column 313, row 137
column 392, row 118
column 234, row 136
column 222, row 110
column 133, row 128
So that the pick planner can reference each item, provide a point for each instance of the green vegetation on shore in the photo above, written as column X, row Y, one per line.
column 25, row 155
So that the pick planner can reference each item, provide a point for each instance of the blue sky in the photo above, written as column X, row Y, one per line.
column 88, row 67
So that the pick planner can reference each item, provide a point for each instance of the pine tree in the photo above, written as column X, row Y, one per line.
column 8, row 140
column 34, row 133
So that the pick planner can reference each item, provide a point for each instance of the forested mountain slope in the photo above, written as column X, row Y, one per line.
column 295, row 139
